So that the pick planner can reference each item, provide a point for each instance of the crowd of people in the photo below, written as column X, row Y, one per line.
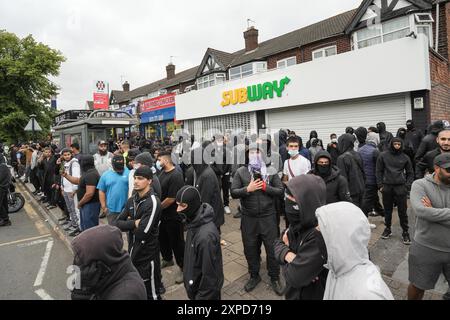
column 171, row 199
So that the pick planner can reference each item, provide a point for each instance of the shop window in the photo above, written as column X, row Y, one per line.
column 286, row 62
column 324, row 52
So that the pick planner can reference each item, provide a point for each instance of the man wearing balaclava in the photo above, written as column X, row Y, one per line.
column 257, row 188
column 203, row 266
column 5, row 181
column 361, row 135
column 385, row 136
column 413, row 136
column 88, row 203
column 429, row 255
column 394, row 178
column 113, row 188
column 302, row 251
column 337, row 186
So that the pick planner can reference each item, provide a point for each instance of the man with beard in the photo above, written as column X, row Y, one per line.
column 351, row 167
column 429, row 255
column 394, row 178
column 337, row 186
column 302, row 252
column 103, row 158
column 426, row 165
column 385, row 136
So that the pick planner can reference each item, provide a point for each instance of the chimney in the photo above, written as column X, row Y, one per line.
column 126, row 86
column 251, row 39
column 170, row 71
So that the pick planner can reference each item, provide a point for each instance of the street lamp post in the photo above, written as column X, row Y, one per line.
column 33, row 117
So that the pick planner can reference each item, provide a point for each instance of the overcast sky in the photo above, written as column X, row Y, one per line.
column 133, row 40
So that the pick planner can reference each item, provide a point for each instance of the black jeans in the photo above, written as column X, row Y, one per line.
column 35, row 180
column 224, row 184
column 357, row 199
column 371, row 200
column 4, row 205
column 255, row 232
column 171, row 241
column 397, row 194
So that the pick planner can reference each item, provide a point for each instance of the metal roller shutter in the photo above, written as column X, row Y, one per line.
column 328, row 118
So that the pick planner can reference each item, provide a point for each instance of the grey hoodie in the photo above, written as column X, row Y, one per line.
column 432, row 224
column 351, row 276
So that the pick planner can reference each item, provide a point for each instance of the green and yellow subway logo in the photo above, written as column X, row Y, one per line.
column 266, row 90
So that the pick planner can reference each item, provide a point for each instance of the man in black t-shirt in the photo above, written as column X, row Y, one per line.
column 171, row 237
column 89, row 203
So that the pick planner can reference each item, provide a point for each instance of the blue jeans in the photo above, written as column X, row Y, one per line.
column 89, row 215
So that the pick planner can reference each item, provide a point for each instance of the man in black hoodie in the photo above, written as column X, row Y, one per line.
column 257, row 190
column 141, row 218
column 394, row 178
column 221, row 166
column 426, row 164
column 106, row 271
column 5, row 181
column 361, row 135
column 302, row 250
column 337, row 186
column 351, row 168
column 385, row 137
column 429, row 142
column 413, row 137
column 203, row 266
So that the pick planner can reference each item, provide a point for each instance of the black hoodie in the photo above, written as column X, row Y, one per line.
column 361, row 135
column 5, row 175
column 106, row 269
column 394, row 167
column 385, row 136
column 203, row 266
column 305, row 241
column 350, row 165
column 337, row 186
column 429, row 142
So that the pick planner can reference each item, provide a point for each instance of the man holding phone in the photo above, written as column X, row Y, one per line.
column 257, row 191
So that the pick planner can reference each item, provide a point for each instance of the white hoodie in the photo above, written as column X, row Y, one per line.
column 352, row 276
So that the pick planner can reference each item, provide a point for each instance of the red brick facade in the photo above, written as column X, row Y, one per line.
column 440, row 87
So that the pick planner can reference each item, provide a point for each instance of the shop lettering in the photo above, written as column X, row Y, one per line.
column 263, row 91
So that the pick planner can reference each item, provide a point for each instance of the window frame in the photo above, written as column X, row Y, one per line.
column 254, row 70
column 323, row 50
column 285, row 61
column 210, row 79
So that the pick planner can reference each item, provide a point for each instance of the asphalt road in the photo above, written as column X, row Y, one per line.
column 33, row 259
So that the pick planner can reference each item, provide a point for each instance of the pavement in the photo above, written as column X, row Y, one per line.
column 391, row 256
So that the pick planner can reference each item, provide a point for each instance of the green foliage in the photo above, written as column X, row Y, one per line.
column 25, row 88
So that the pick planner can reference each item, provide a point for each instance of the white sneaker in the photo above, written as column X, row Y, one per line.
column 227, row 210
column 372, row 226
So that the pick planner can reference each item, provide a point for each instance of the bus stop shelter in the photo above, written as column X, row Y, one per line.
column 87, row 127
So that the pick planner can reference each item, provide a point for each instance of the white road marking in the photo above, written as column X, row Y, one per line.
column 43, row 295
column 29, row 244
column 24, row 240
column 41, row 273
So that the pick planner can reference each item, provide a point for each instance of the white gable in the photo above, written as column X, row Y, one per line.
column 210, row 65
column 375, row 8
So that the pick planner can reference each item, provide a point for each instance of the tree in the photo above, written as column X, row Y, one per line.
column 25, row 87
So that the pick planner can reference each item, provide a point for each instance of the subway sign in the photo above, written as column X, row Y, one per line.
column 256, row 92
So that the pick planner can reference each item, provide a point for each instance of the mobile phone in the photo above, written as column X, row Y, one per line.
column 257, row 175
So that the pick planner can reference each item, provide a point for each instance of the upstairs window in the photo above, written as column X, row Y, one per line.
column 247, row 70
column 324, row 52
column 210, row 80
column 286, row 62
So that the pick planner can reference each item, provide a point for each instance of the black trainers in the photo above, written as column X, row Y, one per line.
column 386, row 233
column 5, row 223
column 252, row 283
column 277, row 287
column 406, row 239
column 75, row 232
column 237, row 215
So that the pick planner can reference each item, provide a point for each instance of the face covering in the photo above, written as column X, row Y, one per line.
column 293, row 153
column 409, row 126
column 118, row 164
column 158, row 165
column 191, row 197
column 255, row 162
column 324, row 171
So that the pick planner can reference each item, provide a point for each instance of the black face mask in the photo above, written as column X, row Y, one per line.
column 324, row 171
column 118, row 164
column 409, row 126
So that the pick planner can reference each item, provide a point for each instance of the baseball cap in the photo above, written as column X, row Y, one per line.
column 443, row 160
column 102, row 142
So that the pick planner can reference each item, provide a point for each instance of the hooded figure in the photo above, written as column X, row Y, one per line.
column 203, row 177
column 304, row 241
column 337, row 186
column 351, row 167
column 394, row 177
column 385, row 136
column 429, row 142
column 203, row 266
column 313, row 135
column 281, row 137
column 106, row 269
column 351, row 276
column 361, row 135
column 413, row 136
column 408, row 148
column 304, row 151
column 5, row 181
